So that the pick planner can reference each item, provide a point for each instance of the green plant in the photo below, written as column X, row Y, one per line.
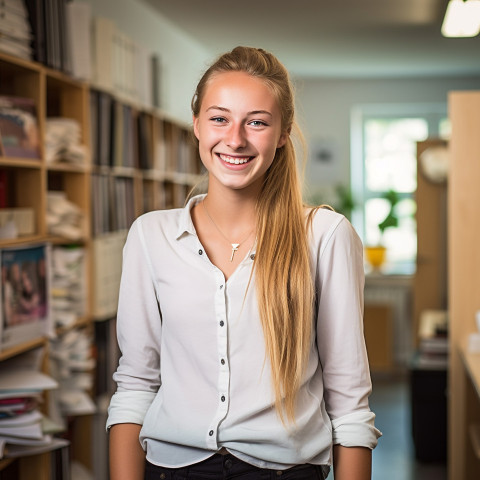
column 391, row 220
column 345, row 201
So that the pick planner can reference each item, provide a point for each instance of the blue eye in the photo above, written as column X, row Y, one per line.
column 258, row 123
column 218, row 119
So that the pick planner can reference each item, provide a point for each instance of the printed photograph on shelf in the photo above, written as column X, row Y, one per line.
column 25, row 294
column 19, row 135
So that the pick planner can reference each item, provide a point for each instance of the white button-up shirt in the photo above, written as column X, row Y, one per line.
column 194, row 370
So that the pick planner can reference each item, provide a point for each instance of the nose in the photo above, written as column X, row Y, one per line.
column 236, row 138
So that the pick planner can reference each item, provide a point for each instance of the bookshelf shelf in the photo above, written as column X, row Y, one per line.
column 80, row 323
column 68, row 168
column 62, row 241
column 12, row 62
column 125, row 172
column 22, row 348
column 24, row 240
column 20, row 162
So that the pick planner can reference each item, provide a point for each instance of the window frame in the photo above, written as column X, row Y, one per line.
column 433, row 113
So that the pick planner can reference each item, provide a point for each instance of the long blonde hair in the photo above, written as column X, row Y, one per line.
column 282, row 263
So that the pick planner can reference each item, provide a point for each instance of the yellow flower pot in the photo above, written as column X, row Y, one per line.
column 375, row 256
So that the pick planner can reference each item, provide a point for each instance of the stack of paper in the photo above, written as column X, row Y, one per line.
column 15, row 32
column 72, row 365
column 433, row 349
column 20, row 421
column 68, row 285
column 62, row 142
column 64, row 218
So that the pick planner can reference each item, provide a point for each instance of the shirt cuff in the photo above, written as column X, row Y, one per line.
column 356, row 430
column 129, row 407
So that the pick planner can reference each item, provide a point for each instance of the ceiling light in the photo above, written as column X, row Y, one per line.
column 462, row 19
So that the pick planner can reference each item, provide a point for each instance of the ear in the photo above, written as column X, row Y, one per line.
column 195, row 126
column 283, row 138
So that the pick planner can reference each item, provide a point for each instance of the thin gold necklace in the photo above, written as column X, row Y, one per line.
column 235, row 246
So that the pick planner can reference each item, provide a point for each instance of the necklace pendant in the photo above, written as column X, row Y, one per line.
column 234, row 249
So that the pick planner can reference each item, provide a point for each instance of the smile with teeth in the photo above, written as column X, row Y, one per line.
column 234, row 160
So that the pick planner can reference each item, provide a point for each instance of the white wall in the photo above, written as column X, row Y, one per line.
column 324, row 105
column 324, row 108
column 182, row 59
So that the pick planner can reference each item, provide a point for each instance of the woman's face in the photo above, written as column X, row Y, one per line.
column 238, row 129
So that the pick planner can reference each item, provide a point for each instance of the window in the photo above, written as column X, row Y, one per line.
column 384, row 165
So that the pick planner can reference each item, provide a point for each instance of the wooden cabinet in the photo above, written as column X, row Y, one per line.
column 163, row 165
column 464, row 283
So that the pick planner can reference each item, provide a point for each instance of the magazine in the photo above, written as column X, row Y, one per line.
column 25, row 294
column 19, row 136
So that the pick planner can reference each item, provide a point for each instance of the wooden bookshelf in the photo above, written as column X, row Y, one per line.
column 154, row 165
column 28, row 181
column 464, row 281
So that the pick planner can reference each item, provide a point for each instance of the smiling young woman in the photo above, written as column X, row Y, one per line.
column 240, row 315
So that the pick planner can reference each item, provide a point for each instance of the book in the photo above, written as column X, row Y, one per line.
column 19, row 136
column 4, row 193
column 65, row 50
column 25, row 294
column 52, row 59
column 144, row 141
column 155, row 80
column 107, row 355
column 103, row 38
column 107, row 269
column 36, row 15
column 78, row 16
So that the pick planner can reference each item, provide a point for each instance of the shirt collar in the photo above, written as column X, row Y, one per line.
column 186, row 224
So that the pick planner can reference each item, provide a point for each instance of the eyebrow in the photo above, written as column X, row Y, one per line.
column 253, row 112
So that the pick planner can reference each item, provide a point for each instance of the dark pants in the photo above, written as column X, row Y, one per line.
column 226, row 467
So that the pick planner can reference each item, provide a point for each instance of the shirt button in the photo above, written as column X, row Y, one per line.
column 210, row 433
column 252, row 256
column 222, row 361
column 162, row 476
column 221, row 286
column 223, row 398
column 222, row 323
column 279, row 473
column 200, row 252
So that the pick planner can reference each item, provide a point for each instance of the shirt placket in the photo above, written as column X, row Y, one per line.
column 222, row 352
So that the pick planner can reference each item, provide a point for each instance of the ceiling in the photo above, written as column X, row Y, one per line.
column 328, row 38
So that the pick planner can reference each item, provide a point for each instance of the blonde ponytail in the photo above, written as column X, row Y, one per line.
column 282, row 262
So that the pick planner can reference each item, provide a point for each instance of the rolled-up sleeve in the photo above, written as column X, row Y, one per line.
column 340, row 338
column 139, row 331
